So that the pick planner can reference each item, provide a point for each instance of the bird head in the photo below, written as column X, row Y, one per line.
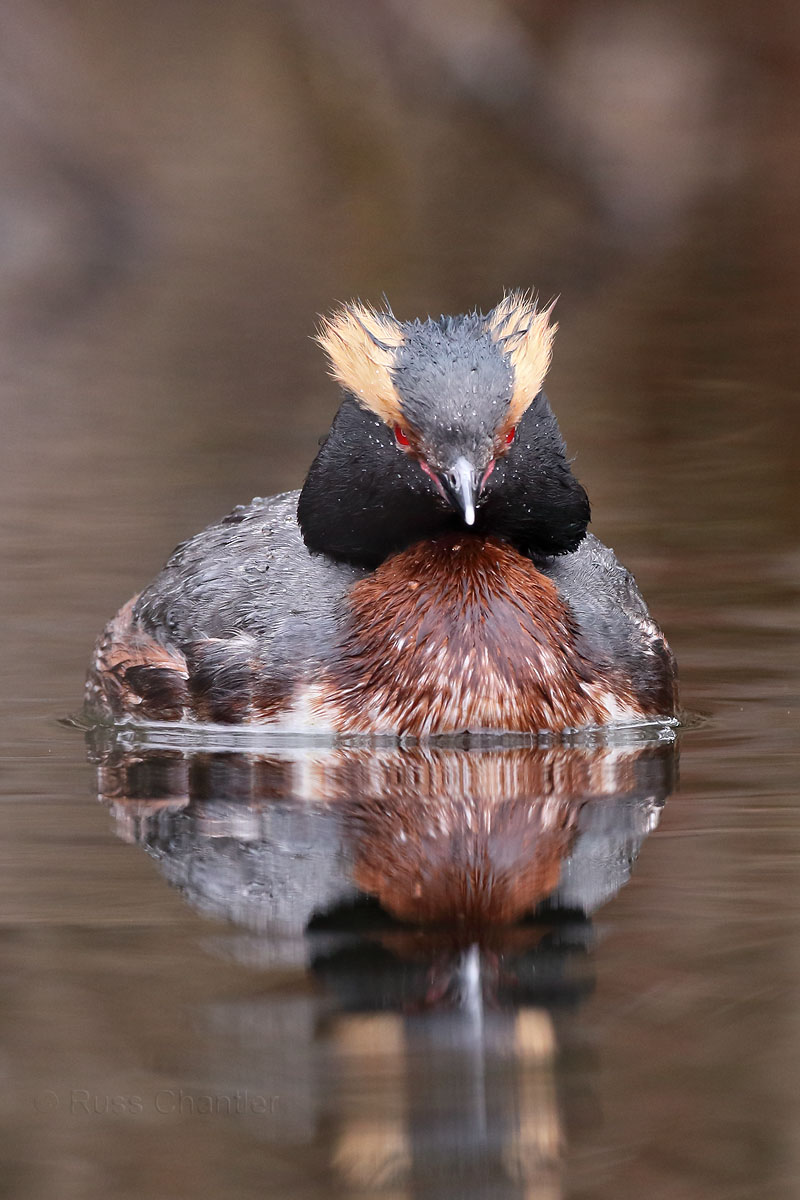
column 438, row 414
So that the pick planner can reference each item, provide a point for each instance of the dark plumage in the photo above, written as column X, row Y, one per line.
column 433, row 574
column 362, row 502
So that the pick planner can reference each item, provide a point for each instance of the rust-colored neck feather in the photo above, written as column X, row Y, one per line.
column 464, row 861
column 461, row 632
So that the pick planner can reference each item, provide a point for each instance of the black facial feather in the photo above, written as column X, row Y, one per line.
column 532, row 499
column 364, row 499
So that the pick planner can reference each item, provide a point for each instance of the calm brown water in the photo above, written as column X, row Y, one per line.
column 191, row 998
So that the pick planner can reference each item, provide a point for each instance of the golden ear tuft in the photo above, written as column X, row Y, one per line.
column 525, row 336
column 361, row 345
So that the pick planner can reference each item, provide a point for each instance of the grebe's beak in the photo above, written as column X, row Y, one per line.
column 461, row 486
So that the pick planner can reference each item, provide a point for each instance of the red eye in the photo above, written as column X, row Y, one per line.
column 401, row 435
column 512, row 433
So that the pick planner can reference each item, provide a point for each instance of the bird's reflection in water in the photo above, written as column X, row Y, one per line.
column 440, row 899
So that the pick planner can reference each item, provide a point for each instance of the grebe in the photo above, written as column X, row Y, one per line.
column 433, row 575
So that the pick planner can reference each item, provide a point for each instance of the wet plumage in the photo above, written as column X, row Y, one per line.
column 434, row 574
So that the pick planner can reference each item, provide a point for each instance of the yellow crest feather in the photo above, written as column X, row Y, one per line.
column 525, row 336
column 361, row 345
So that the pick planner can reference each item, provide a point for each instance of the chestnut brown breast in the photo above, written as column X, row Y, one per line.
column 463, row 632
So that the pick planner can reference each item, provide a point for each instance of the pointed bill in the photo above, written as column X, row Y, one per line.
column 461, row 485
